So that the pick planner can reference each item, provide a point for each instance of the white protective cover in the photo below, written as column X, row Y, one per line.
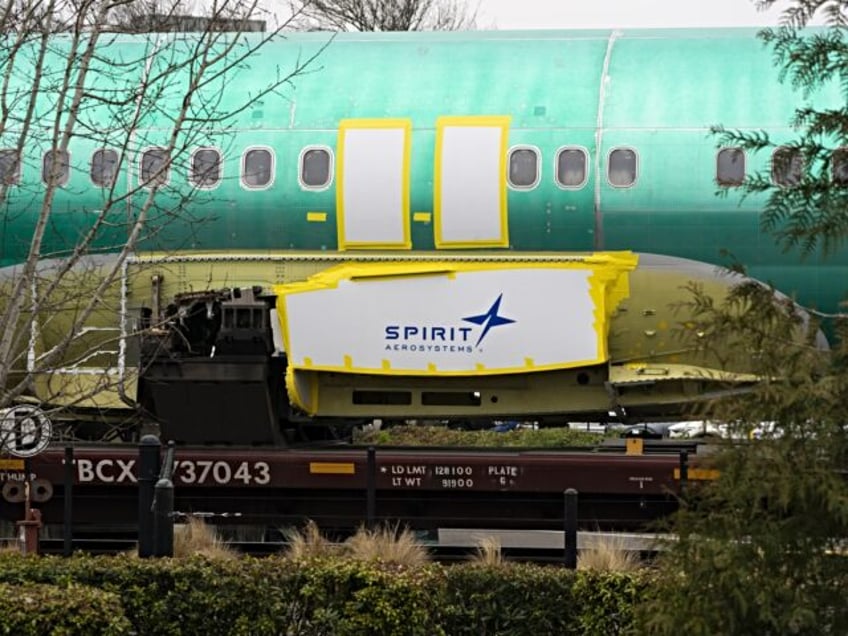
column 496, row 320
column 372, row 186
column 472, row 186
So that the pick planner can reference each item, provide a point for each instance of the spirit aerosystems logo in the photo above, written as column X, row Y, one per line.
column 446, row 338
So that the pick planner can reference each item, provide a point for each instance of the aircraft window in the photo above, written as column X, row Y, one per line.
column 154, row 168
column 63, row 167
column 523, row 167
column 257, row 168
column 571, row 167
column 10, row 167
column 205, row 168
column 840, row 166
column 104, row 167
column 315, row 168
column 621, row 171
column 730, row 166
column 787, row 166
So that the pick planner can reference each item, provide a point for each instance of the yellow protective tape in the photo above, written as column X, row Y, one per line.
column 608, row 281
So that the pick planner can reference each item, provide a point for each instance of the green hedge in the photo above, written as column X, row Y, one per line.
column 343, row 598
column 274, row 595
column 510, row 599
column 35, row 609
column 554, row 437
column 191, row 596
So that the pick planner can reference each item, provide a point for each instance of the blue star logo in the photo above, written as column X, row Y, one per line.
column 489, row 319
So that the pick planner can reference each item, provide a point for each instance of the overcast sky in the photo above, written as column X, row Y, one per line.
column 602, row 14
column 541, row 14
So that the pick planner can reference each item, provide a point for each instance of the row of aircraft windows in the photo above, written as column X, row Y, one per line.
column 205, row 170
column 787, row 167
column 316, row 167
column 316, row 170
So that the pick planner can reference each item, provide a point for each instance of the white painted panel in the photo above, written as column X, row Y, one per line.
column 373, row 175
column 487, row 321
column 471, row 184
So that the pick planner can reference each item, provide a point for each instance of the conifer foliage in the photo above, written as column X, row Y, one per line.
column 764, row 548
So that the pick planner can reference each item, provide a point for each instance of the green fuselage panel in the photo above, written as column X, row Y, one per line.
column 657, row 92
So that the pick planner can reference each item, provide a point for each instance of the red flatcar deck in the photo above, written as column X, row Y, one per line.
column 424, row 488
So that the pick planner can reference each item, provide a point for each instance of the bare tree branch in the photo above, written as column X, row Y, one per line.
column 382, row 15
column 68, row 82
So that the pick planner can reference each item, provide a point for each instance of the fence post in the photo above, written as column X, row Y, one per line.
column 684, row 471
column 570, row 528
column 163, row 508
column 67, row 526
column 149, row 461
column 31, row 524
column 371, row 489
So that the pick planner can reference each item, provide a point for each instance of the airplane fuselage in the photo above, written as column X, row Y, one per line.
column 574, row 102
column 467, row 150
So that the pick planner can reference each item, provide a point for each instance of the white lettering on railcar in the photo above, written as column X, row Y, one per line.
column 641, row 481
column 408, row 469
column 502, row 471
column 506, row 474
column 9, row 476
column 453, row 484
column 452, row 471
column 107, row 471
column 406, row 475
column 207, row 471
column 186, row 472
column 406, row 482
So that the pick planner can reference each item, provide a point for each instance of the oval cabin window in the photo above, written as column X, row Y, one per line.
column 787, row 167
column 257, row 168
column 523, row 168
column 571, row 167
column 205, row 168
column 10, row 167
column 730, row 167
column 315, row 168
column 154, row 169
column 60, row 172
column 104, row 167
column 621, row 170
column 839, row 166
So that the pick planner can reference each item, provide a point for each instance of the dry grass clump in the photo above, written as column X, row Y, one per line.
column 198, row 537
column 387, row 544
column 308, row 543
column 609, row 555
column 8, row 546
column 488, row 552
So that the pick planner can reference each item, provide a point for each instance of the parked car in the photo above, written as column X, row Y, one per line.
column 698, row 428
column 765, row 430
column 646, row 430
